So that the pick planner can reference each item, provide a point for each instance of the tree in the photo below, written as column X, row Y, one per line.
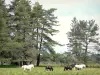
column 73, row 36
column 20, row 24
column 81, row 35
column 31, row 29
column 5, row 40
column 43, row 22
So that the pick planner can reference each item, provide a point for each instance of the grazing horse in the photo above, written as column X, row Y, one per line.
column 28, row 67
column 73, row 65
column 81, row 66
column 49, row 68
column 31, row 65
column 84, row 66
column 70, row 67
column 67, row 68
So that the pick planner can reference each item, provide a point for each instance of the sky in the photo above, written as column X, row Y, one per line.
column 66, row 10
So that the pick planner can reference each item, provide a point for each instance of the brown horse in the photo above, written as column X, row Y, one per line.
column 49, row 68
column 67, row 68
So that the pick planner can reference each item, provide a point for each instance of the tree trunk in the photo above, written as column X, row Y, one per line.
column 19, row 63
column 22, row 63
column 85, row 58
column 38, row 56
column 1, row 63
column 38, row 60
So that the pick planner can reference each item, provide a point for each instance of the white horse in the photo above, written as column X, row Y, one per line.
column 31, row 65
column 28, row 67
column 81, row 66
column 84, row 66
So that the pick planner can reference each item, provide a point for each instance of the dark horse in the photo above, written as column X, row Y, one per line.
column 69, row 67
column 49, row 68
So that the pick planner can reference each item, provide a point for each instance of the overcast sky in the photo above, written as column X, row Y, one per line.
column 66, row 10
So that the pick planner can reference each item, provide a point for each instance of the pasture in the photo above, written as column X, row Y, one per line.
column 42, row 71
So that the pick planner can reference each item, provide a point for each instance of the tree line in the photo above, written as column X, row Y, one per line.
column 25, row 31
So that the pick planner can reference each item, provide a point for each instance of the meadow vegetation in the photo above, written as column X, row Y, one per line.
column 58, row 70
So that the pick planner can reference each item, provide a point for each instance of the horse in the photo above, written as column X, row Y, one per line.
column 84, row 66
column 31, row 65
column 49, row 68
column 70, row 67
column 28, row 67
column 80, row 66
column 67, row 68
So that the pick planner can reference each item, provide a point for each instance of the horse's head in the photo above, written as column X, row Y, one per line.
column 22, row 66
column 73, row 65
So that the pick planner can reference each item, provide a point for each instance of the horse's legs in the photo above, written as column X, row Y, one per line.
column 30, row 69
column 64, row 68
column 52, row 69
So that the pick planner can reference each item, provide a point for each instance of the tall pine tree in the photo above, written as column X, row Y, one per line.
column 43, row 22
column 5, row 46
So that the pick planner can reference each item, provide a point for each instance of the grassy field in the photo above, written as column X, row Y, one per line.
column 41, row 71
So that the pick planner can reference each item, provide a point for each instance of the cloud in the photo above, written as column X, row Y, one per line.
column 67, row 1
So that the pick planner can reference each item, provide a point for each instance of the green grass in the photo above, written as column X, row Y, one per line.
column 41, row 71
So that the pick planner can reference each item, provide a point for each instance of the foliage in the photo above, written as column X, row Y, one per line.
column 81, row 34
column 26, row 30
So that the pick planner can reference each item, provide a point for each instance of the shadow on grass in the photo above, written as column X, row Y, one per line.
column 47, row 65
column 16, row 66
column 8, row 66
